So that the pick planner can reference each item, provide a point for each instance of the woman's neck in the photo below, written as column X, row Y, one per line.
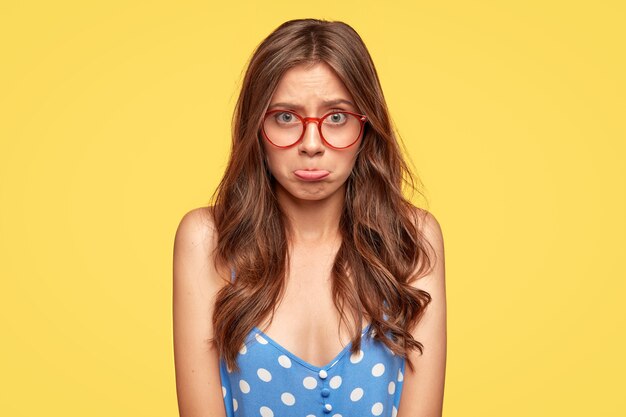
column 312, row 221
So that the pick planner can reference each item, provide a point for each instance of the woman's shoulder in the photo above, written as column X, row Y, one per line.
column 199, row 218
column 198, row 225
column 196, row 237
column 426, row 222
column 431, row 233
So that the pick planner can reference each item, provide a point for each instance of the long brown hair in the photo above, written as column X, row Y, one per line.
column 382, row 244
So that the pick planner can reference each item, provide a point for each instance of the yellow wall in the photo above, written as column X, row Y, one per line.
column 114, row 121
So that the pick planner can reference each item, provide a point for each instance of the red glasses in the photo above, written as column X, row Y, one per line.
column 338, row 129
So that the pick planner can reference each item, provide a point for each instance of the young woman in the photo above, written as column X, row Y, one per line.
column 310, row 286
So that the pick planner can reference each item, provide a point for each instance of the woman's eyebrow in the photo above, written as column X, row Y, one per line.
column 327, row 103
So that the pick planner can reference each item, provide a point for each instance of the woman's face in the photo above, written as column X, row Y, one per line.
column 305, row 90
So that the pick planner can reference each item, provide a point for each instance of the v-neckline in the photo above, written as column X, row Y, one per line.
column 307, row 364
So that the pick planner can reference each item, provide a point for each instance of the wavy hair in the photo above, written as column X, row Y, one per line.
column 383, row 248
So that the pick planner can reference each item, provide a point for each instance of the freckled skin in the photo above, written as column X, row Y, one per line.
column 308, row 87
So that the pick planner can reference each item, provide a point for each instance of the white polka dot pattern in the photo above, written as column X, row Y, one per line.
column 309, row 382
column 335, row 382
column 356, row 394
column 244, row 386
column 264, row 375
column 377, row 409
column 273, row 382
column 266, row 412
column 287, row 398
column 378, row 369
column 284, row 361
column 357, row 357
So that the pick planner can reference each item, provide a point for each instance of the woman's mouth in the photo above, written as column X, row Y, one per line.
column 311, row 175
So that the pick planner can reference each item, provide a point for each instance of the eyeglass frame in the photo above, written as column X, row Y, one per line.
column 318, row 120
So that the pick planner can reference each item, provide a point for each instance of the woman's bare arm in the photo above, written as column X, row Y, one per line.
column 422, row 392
column 195, row 285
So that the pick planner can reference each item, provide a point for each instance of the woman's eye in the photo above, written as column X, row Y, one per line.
column 337, row 117
column 285, row 117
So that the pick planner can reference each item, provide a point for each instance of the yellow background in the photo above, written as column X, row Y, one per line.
column 115, row 121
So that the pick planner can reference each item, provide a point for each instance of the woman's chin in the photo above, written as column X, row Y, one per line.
column 320, row 193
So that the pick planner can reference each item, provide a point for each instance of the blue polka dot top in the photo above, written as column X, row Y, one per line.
column 273, row 382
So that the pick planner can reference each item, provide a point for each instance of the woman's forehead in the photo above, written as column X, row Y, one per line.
column 320, row 74
column 306, row 86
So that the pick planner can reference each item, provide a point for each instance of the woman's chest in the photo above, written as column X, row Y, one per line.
column 306, row 321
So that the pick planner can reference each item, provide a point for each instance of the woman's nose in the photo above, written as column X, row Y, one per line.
column 312, row 141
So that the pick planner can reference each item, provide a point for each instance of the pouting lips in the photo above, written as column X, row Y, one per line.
column 311, row 174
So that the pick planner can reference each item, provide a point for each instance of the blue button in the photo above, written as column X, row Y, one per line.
column 325, row 392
